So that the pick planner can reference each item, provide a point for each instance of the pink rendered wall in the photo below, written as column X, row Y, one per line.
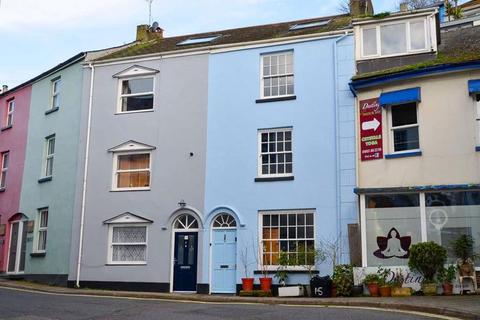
column 13, row 140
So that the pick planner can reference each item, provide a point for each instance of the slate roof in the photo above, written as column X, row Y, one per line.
column 458, row 46
column 232, row 36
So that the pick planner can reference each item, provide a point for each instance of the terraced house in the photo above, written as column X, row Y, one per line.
column 418, row 128
column 199, row 144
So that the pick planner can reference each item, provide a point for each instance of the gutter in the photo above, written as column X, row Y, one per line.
column 85, row 175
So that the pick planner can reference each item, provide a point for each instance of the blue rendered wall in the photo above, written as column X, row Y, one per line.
column 322, row 118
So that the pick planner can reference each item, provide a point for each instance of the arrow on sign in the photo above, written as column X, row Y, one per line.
column 371, row 125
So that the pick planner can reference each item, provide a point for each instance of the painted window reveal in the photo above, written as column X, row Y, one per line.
column 277, row 75
column 128, row 244
column 136, row 94
column 3, row 173
column 49, row 156
column 404, row 127
column 392, row 225
column 450, row 214
column 185, row 222
column 132, row 171
column 42, row 230
column 396, row 38
column 291, row 232
column 10, row 110
column 224, row 220
column 56, row 92
column 276, row 155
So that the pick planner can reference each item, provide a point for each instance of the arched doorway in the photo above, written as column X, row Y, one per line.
column 224, row 254
column 185, row 244
column 17, row 244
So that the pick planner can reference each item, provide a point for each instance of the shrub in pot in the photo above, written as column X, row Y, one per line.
column 427, row 258
column 463, row 249
column 397, row 286
column 371, row 281
column 445, row 278
column 384, row 283
column 247, row 282
column 343, row 279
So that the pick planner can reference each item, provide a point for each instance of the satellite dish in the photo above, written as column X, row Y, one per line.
column 155, row 26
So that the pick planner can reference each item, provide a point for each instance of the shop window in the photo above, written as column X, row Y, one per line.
column 392, row 226
column 404, row 127
column 451, row 214
column 290, row 232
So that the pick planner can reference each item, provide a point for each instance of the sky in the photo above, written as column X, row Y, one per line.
column 38, row 34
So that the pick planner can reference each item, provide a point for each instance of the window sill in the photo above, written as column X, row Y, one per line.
column 6, row 128
column 285, row 98
column 477, row 148
column 128, row 190
column 2, row 189
column 45, row 179
column 51, row 110
column 273, row 179
column 403, row 155
column 133, row 112
column 126, row 264
column 303, row 271
column 38, row 254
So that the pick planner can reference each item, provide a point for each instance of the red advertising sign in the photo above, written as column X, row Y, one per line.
column 371, row 130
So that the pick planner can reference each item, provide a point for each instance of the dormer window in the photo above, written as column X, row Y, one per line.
column 395, row 38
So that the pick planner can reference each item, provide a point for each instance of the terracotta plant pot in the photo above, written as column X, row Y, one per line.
column 385, row 291
column 334, row 290
column 266, row 284
column 373, row 288
column 247, row 284
column 429, row 289
column 401, row 292
column 447, row 288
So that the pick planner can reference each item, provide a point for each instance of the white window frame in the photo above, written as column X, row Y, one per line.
column 38, row 229
column 476, row 99
column 263, row 77
column 10, row 111
column 120, row 95
column 378, row 27
column 392, row 130
column 4, row 169
column 111, row 244
column 56, row 92
column 259, row 146
column 260, row 236
column 49, row 156
column 116, row 171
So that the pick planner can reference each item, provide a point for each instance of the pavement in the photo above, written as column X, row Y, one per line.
column 460, row 307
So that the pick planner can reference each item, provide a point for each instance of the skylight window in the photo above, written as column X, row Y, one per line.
column 309, row 25
column 197, row 40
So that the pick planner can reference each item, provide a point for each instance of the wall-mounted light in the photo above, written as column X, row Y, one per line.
column 182, row 203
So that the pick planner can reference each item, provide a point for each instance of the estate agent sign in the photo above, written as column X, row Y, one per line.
column 370, row 130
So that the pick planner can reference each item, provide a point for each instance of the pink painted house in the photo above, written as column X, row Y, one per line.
column 14, row 110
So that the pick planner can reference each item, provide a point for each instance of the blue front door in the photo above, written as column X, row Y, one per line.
column 224, row 264
column 185, row 261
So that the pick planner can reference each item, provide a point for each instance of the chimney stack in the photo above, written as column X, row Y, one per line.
column 147, row 33
column 359, row 8
column 4, row 89
column 403, row 7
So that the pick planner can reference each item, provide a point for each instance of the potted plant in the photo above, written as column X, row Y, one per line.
column 371, row 281
column 247, row 282
column 384, row 283
column 284, row 260
column 265, row 280
column 343, row 279
column 313, row 256
column 463, row 249
column 397, row 286
column 427, row 258
column 445, row 278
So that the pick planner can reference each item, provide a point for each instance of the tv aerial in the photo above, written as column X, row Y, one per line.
column 149, row 11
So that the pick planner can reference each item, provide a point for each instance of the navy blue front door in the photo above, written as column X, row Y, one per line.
column 185, row 261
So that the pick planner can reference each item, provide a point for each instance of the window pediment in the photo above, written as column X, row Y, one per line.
column 134, row 71
column 127, row 217
column 131, row 145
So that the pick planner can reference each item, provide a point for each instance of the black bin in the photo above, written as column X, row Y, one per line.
column 321, row 287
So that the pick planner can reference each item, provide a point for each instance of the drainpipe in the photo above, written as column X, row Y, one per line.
column 85, row 174
column 337, row 144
